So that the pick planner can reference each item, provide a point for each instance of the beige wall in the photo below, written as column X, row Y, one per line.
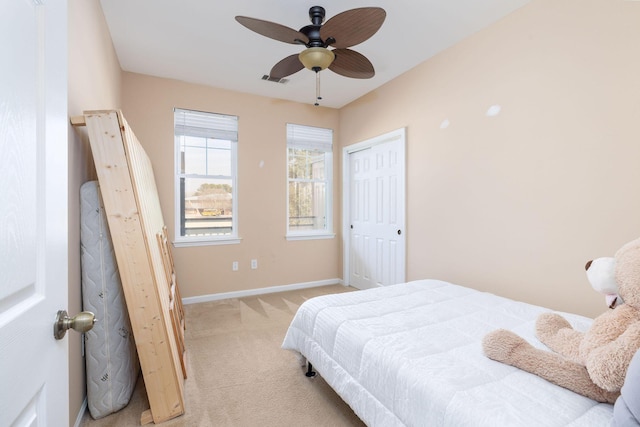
column 516, row 204
column 94, row 83
column 148, row 104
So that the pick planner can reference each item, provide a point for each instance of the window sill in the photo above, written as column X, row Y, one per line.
column 185, row 243
column 310, row 236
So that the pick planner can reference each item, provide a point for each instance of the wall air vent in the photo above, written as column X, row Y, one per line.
column 274, row 79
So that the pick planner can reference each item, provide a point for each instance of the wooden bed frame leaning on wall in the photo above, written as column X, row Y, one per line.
column 144, row 259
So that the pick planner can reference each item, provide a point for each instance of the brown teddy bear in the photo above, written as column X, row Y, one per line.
column 592, row 363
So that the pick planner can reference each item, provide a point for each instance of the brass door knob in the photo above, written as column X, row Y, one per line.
column 81, row 322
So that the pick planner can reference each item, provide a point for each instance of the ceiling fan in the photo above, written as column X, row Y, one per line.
column 340, row 32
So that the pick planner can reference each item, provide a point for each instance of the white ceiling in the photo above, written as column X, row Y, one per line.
column 199, row 41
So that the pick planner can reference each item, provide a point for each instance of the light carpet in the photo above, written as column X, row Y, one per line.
column 238, row 376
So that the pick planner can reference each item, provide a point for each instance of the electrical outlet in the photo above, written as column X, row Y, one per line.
column 234, row 266
column 254, row 264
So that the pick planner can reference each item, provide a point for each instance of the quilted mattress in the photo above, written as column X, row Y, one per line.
column 410, row 355
column 110, row 354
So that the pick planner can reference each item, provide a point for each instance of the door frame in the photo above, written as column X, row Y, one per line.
column 398, row 134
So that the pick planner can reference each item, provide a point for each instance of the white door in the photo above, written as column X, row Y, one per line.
column 375, row 211
column 34, row 388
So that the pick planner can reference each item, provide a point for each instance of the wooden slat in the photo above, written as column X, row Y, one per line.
column 134, row 216
column 175, row 306
column 165, row 236
column 77, row 121
column 146, row 417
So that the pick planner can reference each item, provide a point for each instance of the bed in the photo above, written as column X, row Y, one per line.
column 410, row 355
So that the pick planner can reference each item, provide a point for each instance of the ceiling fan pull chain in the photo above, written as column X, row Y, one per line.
column 318, row 97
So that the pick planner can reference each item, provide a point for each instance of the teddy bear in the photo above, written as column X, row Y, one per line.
column 591, row 363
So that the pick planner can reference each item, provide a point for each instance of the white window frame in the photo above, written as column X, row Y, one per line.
column 218, row 126
column 300, row 136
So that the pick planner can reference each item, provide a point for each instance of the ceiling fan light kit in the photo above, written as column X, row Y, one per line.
column 344, row 30
column 316, row 58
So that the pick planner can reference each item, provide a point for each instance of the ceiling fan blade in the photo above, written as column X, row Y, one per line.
column 273, row 30
column 353, row 26
column 350, row 63
column 289, row 65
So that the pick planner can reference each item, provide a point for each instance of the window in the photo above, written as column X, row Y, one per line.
column 206, row 181
column 309, row 195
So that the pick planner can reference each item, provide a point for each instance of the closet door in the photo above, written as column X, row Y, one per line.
column 376, row 213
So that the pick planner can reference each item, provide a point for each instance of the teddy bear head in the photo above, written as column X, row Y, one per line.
column 618, row 277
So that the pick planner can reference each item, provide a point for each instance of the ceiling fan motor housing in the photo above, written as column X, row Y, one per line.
column 316, row 14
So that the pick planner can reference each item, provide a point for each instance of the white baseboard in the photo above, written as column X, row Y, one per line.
column 260, row 291
column 83, row 409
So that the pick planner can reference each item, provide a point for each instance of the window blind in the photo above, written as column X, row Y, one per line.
column 205, row 125
column 309, row 138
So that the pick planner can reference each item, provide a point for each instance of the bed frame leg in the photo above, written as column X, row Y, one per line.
column 310, row 372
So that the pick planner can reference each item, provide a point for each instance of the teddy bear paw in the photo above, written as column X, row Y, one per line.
column 501, row 345
column 549, row 324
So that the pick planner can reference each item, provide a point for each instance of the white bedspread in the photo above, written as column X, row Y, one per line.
column 410, row 355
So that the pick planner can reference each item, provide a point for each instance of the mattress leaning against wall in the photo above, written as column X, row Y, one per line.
column 110, row 352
